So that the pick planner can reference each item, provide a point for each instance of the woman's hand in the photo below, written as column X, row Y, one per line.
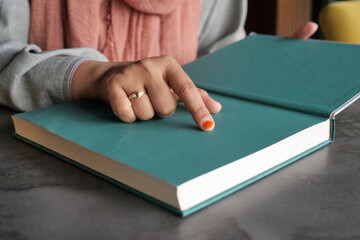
column 163, row 79
column 305, row 31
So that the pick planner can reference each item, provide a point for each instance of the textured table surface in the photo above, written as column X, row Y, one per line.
column 318, row 197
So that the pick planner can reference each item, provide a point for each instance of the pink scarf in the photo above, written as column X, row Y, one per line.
column 123, row 30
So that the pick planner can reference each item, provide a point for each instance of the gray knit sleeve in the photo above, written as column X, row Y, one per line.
column 29, row 77
column 221, row 23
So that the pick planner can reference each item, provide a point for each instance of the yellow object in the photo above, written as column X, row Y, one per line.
column 340, row 21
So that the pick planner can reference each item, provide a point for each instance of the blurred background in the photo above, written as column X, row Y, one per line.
column 283, row 17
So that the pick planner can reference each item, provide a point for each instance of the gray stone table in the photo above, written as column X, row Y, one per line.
column 318, row 197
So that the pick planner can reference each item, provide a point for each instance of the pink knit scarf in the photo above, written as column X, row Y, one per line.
column 123, row 30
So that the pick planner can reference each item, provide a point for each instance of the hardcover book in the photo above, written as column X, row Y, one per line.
column 280, row 97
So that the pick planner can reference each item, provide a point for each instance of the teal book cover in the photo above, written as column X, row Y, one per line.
column 274, row 98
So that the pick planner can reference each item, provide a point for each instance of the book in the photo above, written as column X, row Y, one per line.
column 280, row 97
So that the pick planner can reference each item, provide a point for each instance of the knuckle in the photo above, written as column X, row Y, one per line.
column 123, row 110
column 146, row 116
column 187, row 88
column 128, row 120
column 166, row 110
column 143, row 62
column 169, row 60
column 125, row 113
column 198, row 110
column 147, row 64
column 203, row 92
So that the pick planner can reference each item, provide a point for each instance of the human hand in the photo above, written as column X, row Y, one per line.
column 305, row 31
column 162, row 78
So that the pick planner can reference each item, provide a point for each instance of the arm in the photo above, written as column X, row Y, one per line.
column 221, row 24
column 29, row 77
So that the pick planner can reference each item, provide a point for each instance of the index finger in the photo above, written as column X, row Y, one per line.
column 182, row 85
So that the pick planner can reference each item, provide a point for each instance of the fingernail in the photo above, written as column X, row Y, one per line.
column 207, row 124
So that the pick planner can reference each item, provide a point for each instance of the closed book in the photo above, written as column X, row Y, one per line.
column 280, row 97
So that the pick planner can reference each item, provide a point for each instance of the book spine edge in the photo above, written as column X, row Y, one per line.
column 344, row 106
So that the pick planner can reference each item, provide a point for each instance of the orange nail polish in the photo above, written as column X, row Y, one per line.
column 208, row 124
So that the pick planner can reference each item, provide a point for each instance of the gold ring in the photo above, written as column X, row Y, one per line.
column 136, row 94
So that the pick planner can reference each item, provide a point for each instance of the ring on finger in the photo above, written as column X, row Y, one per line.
column 136, row 94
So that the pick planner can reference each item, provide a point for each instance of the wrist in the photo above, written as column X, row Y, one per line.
column 84, row 79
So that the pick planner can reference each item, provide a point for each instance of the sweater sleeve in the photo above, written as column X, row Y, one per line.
column 221, row 23
column 29, row 77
